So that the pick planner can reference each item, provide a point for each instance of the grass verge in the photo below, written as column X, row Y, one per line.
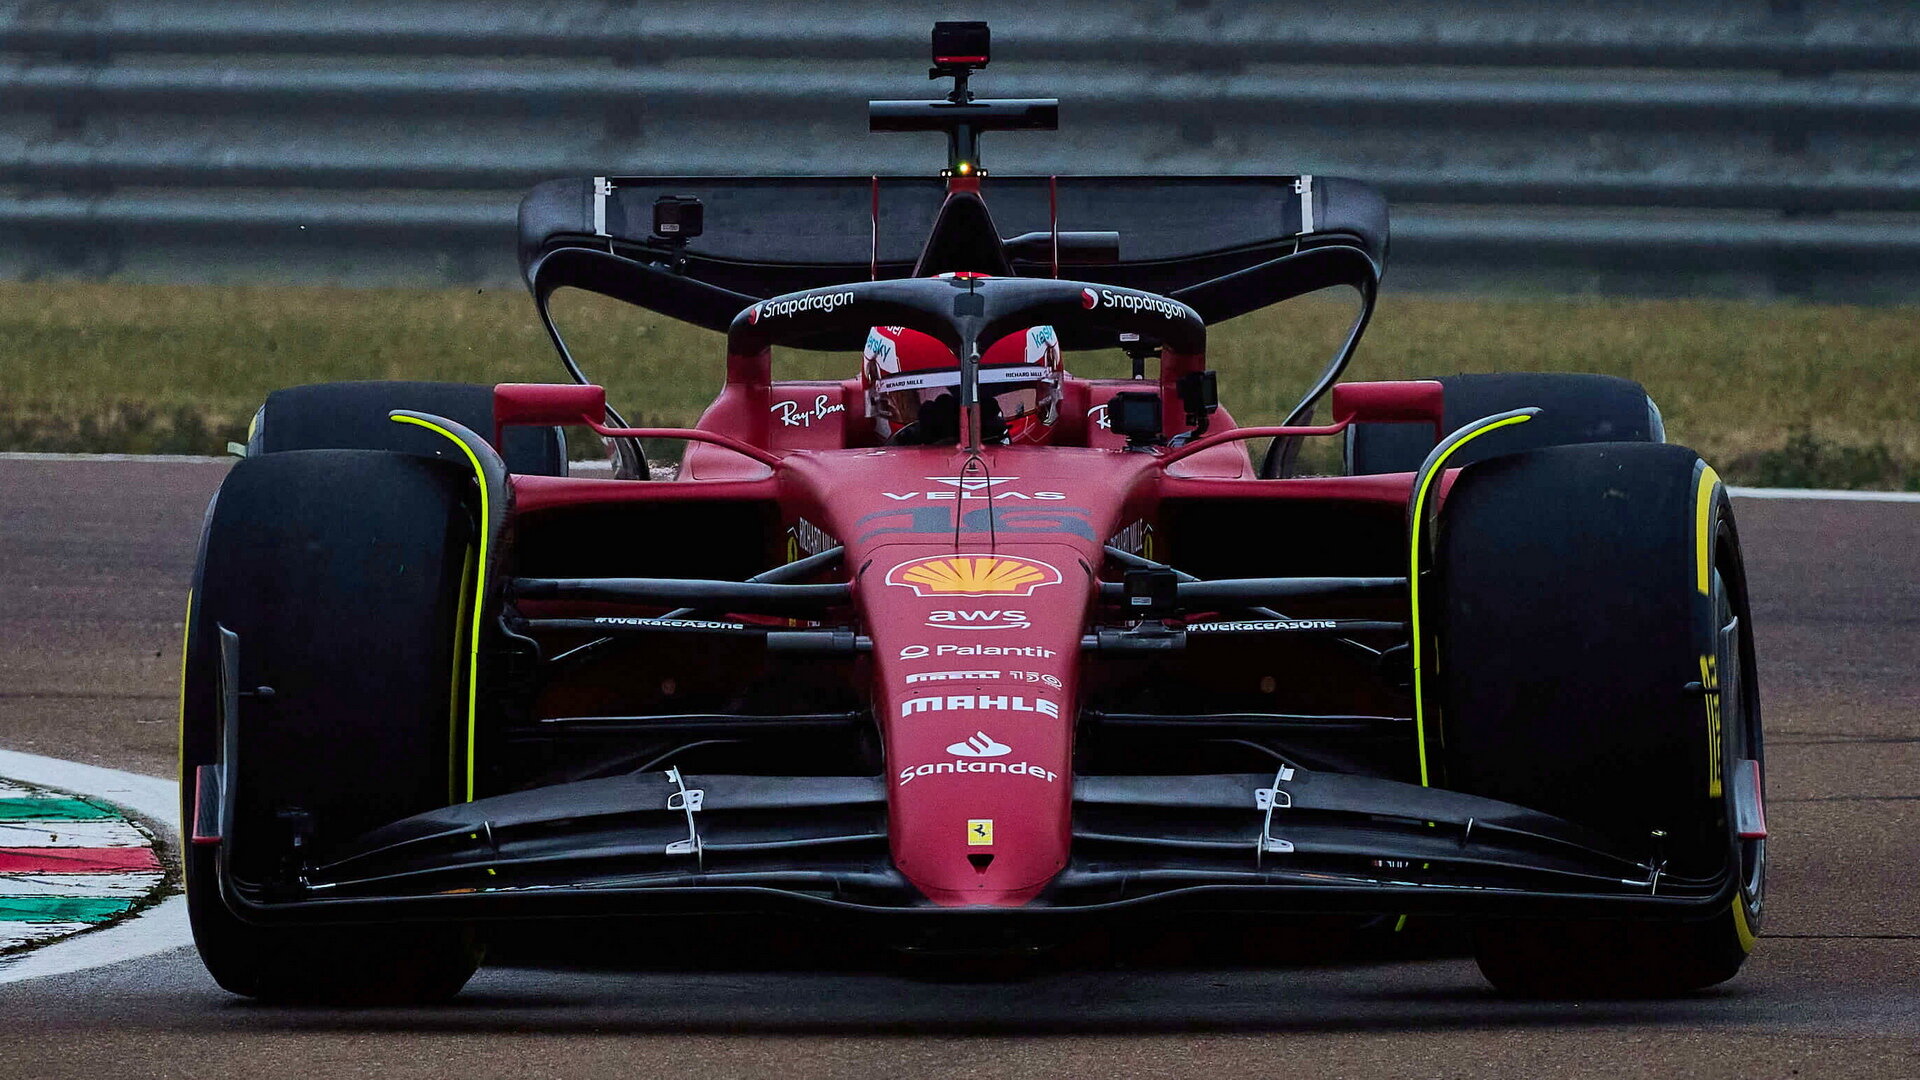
column 1789, row 394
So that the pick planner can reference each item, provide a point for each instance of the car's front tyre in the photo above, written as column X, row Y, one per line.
column 342, row 573
column 1595, row 661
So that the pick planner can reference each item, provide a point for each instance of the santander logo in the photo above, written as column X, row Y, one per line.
column 967, row 755
column 980, row 744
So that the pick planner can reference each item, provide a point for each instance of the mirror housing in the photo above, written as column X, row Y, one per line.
column 546, row 405
column 1412, row 402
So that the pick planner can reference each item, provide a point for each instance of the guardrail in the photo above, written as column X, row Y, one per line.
column 1700, row 146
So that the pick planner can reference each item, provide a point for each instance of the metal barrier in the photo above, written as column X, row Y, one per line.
column 1696, row 146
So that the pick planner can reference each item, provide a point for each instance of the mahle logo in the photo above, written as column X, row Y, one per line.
column 980, row 703
column 973, row 575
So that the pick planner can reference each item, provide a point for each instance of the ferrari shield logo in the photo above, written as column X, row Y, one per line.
column 973, row 575
column 980, row 832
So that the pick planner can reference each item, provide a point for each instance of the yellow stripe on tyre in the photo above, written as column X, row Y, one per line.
column 479, row 590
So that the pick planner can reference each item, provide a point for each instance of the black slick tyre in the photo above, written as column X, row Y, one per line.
column 342, row 574
column 1574, row 408
column 353, row 416
column 1594, row 660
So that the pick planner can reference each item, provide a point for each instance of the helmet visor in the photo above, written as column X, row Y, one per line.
column 1015, row 389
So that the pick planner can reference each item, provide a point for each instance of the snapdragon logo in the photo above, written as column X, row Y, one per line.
column 822, row 302
column 1126, row 301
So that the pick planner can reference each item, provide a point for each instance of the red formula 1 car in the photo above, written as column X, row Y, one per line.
column 965, row 641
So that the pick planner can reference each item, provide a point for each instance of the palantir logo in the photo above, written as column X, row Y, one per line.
column 980, row 744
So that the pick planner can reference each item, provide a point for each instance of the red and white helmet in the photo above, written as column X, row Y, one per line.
column 913, row 383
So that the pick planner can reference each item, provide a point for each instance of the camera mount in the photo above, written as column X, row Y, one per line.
column 959, row 50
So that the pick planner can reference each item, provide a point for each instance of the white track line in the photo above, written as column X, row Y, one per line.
column 1819, row 494
column 147, row 796
column 26, row 933
column 154, row 459
column 75, row 834
column 108, row 886
column 158, row 928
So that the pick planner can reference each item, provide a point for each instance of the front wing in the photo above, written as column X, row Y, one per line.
column 1293, row 841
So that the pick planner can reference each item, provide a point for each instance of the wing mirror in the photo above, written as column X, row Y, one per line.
column 1411, row 402
column 546, row 405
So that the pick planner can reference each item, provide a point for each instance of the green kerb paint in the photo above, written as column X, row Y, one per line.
column 59, row 908
column 53, row 810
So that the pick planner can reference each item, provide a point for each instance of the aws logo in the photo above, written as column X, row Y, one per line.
column 997, row 619
column 973, row 575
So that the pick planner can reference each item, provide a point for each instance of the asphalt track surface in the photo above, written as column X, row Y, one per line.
column 94, row 558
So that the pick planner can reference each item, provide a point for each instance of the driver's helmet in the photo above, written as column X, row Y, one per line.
column 913, row 385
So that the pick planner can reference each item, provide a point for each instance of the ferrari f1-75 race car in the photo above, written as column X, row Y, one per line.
column 965, row 648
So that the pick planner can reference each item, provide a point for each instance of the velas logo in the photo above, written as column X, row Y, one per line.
column 973, row 575
column 822, row 302
column 980, row 744
column 1089, row 299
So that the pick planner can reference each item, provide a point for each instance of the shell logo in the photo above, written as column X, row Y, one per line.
column 973, row 575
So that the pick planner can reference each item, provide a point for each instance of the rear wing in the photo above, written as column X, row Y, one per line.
column 1224, row 245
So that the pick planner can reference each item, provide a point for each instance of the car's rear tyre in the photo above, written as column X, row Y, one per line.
column 1574, row 409
column 1595, row 661
column 342, row 572
column 353, row 416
